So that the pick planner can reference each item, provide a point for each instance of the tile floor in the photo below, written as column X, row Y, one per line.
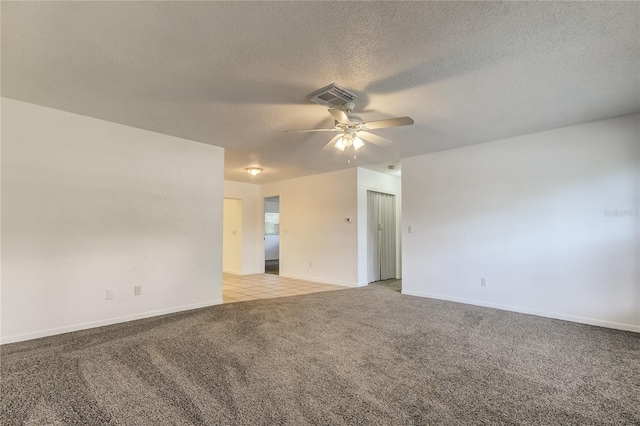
column 240, row 288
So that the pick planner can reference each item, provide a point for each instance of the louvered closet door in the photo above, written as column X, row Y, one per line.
column 381, row 236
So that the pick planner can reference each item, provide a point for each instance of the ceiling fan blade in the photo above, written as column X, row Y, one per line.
column 339, row 115
column 332, row 142
column 312, row 130
column 374, row 139
column 391, row 122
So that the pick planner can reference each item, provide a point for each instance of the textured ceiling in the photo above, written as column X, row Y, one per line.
column 236, row 74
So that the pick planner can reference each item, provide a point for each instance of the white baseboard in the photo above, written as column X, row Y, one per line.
column 572, row 318
column 101, row 323
column 319, row 280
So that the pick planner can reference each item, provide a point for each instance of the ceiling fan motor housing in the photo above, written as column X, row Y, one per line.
column 356, row 122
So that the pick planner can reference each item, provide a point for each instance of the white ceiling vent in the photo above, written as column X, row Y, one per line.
column 332, row 96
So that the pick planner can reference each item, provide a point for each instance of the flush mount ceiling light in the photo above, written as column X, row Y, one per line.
column 254, row 171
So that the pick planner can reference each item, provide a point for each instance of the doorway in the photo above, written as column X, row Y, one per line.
column 232, row 236
column 272, row 235
column 381, row 236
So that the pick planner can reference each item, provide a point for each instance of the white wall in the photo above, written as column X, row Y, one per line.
column 252, row 223
column 529, row 214
column 89, row 205
column 313, row 229
column 369, row 180
column 232, row 236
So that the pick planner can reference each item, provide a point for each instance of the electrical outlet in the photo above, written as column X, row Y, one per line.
column 110, row 295
column 137, row 290
column 483, row 281
column 309, row 264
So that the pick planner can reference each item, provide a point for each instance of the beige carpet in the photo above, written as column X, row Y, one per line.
column 367, row 356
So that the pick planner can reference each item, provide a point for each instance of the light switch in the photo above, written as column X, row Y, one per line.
column 410, row 229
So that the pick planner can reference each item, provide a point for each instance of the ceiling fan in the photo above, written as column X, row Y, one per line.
column 353, row 130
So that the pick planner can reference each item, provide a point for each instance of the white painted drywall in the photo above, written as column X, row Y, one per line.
column 232, row 236
column 252, row 224
column 369, row 180
column 530, row 214
column 89, row 205
column 313, row 229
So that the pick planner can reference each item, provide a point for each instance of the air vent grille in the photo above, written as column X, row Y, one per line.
column 332, row 96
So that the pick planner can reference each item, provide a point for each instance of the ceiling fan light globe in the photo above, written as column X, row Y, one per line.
column 340, row 144
column 357, row 143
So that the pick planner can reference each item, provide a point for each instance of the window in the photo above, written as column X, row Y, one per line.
column 272, row 224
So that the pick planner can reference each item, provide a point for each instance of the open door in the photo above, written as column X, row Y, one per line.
column 272, row 235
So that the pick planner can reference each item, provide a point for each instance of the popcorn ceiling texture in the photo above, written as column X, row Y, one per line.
column 366, row 356
column 235, row 74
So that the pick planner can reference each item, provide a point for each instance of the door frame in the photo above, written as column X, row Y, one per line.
column 397, row 232
column 262, row 233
